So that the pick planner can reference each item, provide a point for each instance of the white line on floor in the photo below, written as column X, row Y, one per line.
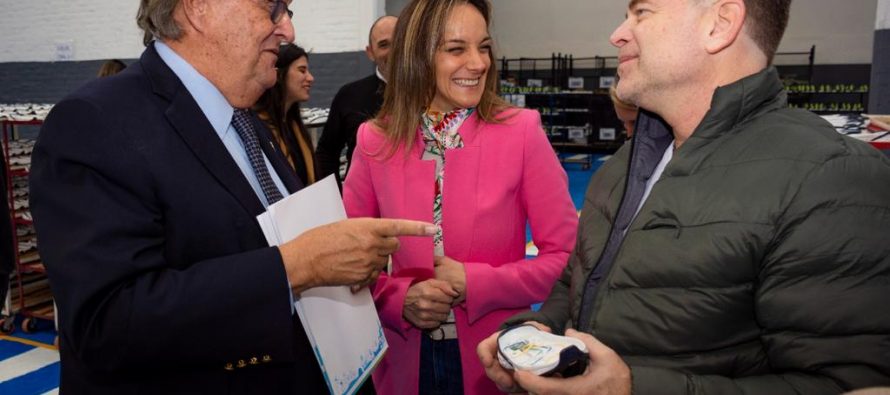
column 26, row 362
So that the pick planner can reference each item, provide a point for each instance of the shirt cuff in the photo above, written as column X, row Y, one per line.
column 293, row 299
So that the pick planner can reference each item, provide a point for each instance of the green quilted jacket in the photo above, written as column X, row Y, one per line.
column 759, row 264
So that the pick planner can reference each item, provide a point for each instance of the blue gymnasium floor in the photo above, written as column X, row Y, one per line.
column 29, row 363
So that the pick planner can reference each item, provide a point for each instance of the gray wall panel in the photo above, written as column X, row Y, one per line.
column 333, row 70
column 49, row 82
column 43, row 82
column 879, row 99
column 394, row 7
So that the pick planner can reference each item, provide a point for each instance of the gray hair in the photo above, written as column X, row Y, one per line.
column 155, row 18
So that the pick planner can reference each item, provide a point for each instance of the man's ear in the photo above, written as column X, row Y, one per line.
column 195, row 14
column 370, row 53
column 727, row 21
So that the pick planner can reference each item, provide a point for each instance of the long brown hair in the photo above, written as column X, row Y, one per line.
column 411, row 79
column 272, row 102
column 111, row 67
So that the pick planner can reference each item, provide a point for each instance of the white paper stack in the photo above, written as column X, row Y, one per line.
column 343, row 327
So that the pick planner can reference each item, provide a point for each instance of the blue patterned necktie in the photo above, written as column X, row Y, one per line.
column 244, row 126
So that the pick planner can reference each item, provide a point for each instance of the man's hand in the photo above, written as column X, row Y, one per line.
column 453, row 273
column 606, row 374
column 427, row 303
column 487, row 350
column 348, row 252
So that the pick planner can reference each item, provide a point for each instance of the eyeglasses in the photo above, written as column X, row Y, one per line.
column 278, row 11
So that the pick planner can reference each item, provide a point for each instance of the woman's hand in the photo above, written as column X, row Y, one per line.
column 453, row 273
column 427, row 303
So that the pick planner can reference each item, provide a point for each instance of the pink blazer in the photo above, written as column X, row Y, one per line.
column 505, row 176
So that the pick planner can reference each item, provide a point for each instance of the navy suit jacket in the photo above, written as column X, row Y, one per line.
column 147, row 228
column 354, row 103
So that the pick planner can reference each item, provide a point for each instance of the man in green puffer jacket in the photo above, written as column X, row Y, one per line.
column 736, row 246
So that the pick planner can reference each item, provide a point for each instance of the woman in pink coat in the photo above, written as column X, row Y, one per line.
column 446, row 149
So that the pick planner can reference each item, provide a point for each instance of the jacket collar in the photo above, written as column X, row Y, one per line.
column 163, row 81
column 731, row 105
column 189, row 122
column 742, row 100
column 380, row 75
column 467, row 130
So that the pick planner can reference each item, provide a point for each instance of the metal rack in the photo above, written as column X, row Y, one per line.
column 818, row 95
column 578, row 121
column 31, row 297
column 552, row 72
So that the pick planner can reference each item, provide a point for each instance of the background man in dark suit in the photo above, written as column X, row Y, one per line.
column 356, row 102
column 145, row 188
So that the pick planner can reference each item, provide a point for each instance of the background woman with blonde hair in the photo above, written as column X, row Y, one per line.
column 626, row 112
column 446, row 149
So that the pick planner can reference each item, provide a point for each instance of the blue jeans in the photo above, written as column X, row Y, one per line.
column 440, row 370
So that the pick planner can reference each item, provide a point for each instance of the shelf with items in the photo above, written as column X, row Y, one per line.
column 827, row 88
column 830, row 107
column 548, row 73
column 581, row 121
column 830, row 102
column 829, row 98
column 571, row 94
column 575, row 122
column 555, row 112
column 30, row 294
column 823, row 89
column 314, row 119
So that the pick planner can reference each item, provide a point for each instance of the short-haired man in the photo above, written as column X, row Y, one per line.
column 736, row 246
column 145, row 187
column 356, row 102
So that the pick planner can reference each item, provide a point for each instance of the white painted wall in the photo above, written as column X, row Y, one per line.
column 97, row 29
column 883, row 16
column 102, row 29
column 326, row 26
column 843, row 31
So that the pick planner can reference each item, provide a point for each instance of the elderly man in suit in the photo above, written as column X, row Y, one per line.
column 145, row 189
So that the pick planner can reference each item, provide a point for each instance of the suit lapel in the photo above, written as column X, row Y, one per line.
column 195, row 130
column 416, row 178
column 459, row 193
column 193, row 127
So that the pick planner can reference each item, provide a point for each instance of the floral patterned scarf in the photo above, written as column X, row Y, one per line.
column 440, row 134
